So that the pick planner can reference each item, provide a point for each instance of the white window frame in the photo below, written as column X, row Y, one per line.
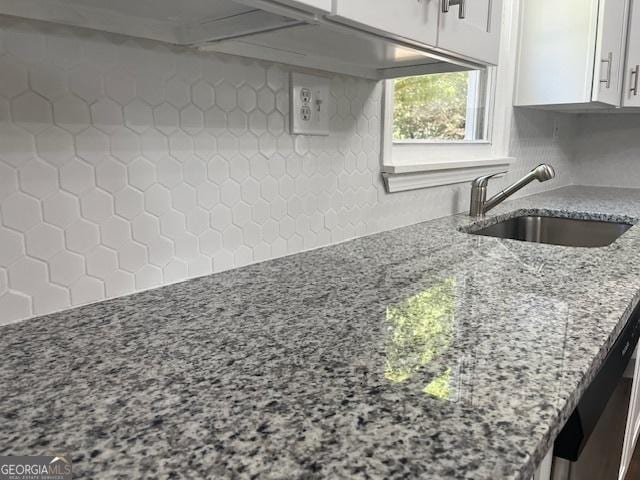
column 472, row 99
column 409, row 165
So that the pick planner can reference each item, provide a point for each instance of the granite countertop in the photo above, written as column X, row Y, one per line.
column 422, row 352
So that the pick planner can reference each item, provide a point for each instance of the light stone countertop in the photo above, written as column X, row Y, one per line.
column 422, row 352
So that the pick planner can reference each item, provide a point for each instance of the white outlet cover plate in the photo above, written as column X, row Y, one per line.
column 318, row 124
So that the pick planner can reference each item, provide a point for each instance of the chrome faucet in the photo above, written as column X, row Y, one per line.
column 479, row 203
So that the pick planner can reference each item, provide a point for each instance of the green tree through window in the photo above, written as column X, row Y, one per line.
column 431, row 107
column 420, row 329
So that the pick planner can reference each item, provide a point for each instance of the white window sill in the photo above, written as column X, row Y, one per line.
column 440, row 142
column 399, row 178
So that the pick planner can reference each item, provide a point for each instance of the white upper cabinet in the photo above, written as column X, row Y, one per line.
column 571, row 54
column 612, row 22
column 464, row 28
column 631, row 93
column 415, row 21
column 471, row 28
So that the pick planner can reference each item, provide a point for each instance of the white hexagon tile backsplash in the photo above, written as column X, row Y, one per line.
column 127, row 164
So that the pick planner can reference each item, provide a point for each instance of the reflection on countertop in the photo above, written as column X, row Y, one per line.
column 420, row 328
column 423, row 352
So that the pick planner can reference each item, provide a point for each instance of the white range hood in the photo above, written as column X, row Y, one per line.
column 183, row 22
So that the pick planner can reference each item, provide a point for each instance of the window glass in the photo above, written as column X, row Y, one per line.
column 440, row 107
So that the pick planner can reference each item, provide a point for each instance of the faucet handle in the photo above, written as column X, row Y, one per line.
column 484, row 180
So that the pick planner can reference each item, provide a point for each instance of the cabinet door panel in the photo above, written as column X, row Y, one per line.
column 633, row 417
column 631, row 93
column 412, row 20
column 477, row 35
column 612, row 28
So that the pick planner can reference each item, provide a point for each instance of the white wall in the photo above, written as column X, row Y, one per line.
column 607, row 150
column 126, row 165
column 533, row 142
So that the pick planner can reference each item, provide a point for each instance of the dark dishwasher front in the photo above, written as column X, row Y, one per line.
column 607, row 398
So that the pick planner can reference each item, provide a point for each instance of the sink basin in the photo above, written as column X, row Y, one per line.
column 556, row 231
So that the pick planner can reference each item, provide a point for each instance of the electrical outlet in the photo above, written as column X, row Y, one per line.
column 305, row 95
column 309, row 112
column 305, row 113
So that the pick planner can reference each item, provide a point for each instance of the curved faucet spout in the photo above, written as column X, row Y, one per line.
column 479, row 203
column 544, row 172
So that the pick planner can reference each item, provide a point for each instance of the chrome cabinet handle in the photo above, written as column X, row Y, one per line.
column 461, row 7
column 609, row 62
column 635, row 73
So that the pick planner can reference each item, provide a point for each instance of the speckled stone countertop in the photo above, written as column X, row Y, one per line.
column 422, row 352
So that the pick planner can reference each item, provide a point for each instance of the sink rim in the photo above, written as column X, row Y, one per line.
column 483, row 223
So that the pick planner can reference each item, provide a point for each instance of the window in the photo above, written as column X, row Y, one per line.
column 452, row 124
column 440, row 107
column 439, row 128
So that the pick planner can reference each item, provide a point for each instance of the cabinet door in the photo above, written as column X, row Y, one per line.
column 633, row 416
column 412, row 20
column 631, row 85
column 477, row 35
column 612, row 29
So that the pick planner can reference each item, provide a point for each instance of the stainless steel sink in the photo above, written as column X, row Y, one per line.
column 556, row 231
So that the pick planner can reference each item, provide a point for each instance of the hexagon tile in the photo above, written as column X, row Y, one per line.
column 116, row 176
